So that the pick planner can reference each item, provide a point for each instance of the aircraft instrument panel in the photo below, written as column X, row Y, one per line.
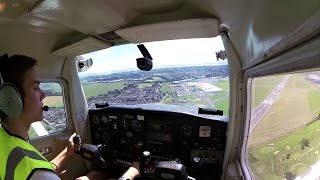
column 195, row 141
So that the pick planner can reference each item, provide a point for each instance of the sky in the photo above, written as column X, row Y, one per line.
column 164, row 53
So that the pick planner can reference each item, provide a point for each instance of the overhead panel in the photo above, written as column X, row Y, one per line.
column 181, row 29
column 83, row 46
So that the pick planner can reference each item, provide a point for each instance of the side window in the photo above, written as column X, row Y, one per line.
column 284, row 139
column 54, row 120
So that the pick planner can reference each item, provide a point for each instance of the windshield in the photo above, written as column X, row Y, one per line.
column 185, row 72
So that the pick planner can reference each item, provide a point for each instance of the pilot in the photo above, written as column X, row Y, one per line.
column 20, row 105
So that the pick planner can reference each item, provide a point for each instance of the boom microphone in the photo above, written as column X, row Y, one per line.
column 45, row 108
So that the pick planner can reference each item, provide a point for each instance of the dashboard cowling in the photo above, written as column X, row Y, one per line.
column 195, row 141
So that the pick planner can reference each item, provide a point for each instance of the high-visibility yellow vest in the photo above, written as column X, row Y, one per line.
column 19, row 159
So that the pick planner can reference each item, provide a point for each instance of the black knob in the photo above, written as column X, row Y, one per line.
column 77, row 142
column 76, row 139
column 144, row 162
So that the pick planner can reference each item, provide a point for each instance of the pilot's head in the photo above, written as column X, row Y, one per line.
column 21, row 84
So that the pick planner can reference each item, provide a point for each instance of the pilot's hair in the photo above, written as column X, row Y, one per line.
column 14, row 68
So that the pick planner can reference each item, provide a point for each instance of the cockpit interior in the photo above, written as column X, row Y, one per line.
column 189, row 89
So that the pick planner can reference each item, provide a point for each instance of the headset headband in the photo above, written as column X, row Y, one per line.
column 3, row 58
column 1, row 80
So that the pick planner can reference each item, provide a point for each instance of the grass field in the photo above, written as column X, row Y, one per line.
column 282, row 129
column 186, row 98
column 314, row 99
column 168, row 99
column 292, row 108
column 143, row 85
column 53, row 101
column 223, row 84
column 222, row 98
column 157, row 79
column 271, row 161
column 219, row 95
column 262, row 87
column 91, row 90
column 165, row 88
column 223, row 105
column 199, row 102
column 55, row 87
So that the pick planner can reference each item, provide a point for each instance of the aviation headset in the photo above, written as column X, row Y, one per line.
column 11, row 104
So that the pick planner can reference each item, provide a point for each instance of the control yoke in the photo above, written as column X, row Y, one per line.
column 150, row 166
column 90, row 152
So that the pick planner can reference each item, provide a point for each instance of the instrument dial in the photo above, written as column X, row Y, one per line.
column 95, row 119
column 136, row 126
column 104, row 120
column 186, row 130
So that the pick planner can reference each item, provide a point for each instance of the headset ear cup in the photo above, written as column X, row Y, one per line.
column 10, row 101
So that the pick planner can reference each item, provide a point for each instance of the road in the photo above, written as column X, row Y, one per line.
column 258, row 113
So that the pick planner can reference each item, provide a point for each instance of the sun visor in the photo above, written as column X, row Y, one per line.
column 81, row 47
column 181, row 29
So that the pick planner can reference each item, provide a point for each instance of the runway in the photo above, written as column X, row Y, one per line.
column 258, row 113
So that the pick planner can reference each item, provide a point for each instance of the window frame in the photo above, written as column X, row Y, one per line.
column 65, row 97
column 304, row 58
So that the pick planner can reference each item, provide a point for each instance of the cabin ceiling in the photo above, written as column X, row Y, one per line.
column 254, row 25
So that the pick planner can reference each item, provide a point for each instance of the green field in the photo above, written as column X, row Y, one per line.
column 290, row 110
column 165, row 88
column 55, row 87
column 168, row 99
column 92, row 90
column 157, row 79
column 53, row 101
column 223, row 105
column 186, row 98
column 271, row 160
column 143, row 85
column 223, row 84
column 199, row 102
column 262, row 87
column 314, row 99
column 221, row 99
column 219, row 95
column 275, row 143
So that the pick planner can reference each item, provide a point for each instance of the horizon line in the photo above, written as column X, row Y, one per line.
column 159, row 67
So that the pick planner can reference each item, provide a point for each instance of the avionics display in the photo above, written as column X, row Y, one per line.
column 157, row 131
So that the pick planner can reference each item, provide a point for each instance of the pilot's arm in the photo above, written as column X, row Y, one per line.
column 65, row 154
column 43, row 174
column 57, row 162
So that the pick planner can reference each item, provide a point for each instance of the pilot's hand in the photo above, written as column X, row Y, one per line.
column 93, row 175
column 136, row 165
column 132, row 172
column 73, row 147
